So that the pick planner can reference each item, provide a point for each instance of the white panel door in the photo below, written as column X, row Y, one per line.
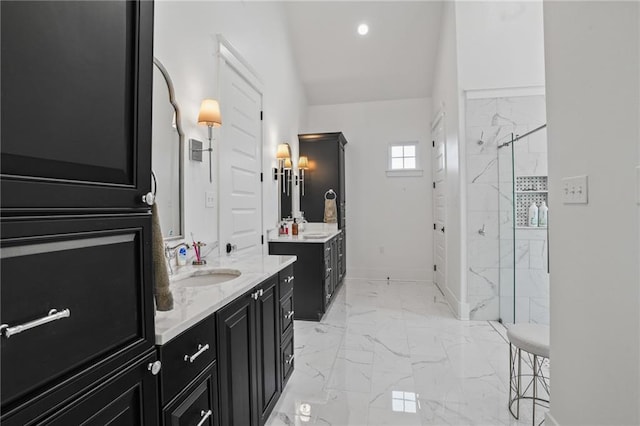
column 240, row 162
column 439, row 201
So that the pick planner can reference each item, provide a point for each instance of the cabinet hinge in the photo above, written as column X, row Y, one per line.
column 260, row 115
column 261, row 239
column 434, row 185
column 435, row 267
column 433, row 144
column 261, row 177
column 434, row 226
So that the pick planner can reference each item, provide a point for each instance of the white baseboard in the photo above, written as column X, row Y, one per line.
column 460, row 309
column 393, row 274
column 549, row 420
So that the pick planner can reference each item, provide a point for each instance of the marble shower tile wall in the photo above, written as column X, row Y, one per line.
column 489, row 123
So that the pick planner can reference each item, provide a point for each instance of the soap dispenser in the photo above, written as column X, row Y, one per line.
column 533, row 215
column 543, row 214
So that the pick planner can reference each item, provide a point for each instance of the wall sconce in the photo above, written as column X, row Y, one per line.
column 283, row 154
column 303, row 164
column 209, row 116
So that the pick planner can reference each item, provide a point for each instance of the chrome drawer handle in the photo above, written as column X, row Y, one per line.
column 261, row 292
column 193, row 357
column 288, row 315
column 329, row 269
column 53, row 315
column 290, row 359
column 289, row 279
column 255, row 295
column 340, row 254
column 327, row 249
column 204, row 415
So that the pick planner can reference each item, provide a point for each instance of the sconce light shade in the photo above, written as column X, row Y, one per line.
column 210, row 113
column 287, row 163
column 283, row 151
column 303, row 162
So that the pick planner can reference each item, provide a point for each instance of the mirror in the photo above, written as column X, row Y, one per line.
column 166, row 154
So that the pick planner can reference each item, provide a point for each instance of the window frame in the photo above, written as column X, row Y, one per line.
column 404, row 172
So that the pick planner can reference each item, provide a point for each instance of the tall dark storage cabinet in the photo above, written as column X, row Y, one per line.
column 75, row 234
column 325, row 152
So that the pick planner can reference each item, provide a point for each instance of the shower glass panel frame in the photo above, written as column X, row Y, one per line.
column 507, row 216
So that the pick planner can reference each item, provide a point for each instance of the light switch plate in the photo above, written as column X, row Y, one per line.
column 575, row 190
column 195, row 150
column 209, row 199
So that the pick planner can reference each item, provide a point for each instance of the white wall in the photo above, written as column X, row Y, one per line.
column 185, row 42
column 446, row 98
column 592, row 74
column 500, row 44
column 389, row 219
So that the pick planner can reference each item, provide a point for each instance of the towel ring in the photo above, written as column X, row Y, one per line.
column 154, row 181
column 328, row 193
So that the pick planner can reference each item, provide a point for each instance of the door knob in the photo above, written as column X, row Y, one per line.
column 154, row 367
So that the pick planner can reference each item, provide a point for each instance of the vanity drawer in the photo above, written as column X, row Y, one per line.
column 186, row 356
column 81, row 290
column 286, row 313
column 197, row 405
column 286, row 280
column 287, row 359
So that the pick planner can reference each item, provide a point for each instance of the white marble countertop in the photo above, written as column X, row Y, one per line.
column 313, row 233
column 193, row 304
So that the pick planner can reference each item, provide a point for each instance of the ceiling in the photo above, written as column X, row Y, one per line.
column 395, row 60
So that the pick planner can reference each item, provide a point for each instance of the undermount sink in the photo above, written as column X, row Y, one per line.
column 210, row 277
column 315, row 235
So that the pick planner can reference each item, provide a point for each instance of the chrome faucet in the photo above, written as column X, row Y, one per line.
column 170, row 253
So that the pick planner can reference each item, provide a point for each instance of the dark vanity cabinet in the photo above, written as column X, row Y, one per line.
column 76, row 296
column 249, row 353
column 317, row 273
column 189, row 384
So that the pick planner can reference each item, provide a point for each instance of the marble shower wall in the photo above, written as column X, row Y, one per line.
column 490, row 246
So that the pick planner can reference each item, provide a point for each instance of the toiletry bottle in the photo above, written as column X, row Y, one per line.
column 543, row 214
column 294, row 227
column 533, row 215
column 182, row 256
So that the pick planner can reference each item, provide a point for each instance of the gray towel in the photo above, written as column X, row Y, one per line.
column 161, row 290
column 330, row 211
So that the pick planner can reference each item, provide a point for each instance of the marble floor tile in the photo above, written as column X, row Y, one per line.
column 392, row 353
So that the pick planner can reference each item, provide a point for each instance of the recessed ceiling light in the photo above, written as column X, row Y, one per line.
column 363, row 29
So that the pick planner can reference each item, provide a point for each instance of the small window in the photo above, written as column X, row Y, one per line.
column 403, row 159
column 403, row 156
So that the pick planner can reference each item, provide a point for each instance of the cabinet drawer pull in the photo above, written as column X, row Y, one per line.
column 327, row 249
column 288, row 315
column 53, row 315
column 261, row 292
column 289, row 279
column 329, row 269
column 290, row 359
column 204, row 415
column 193, row 357
column 255, row 295
column 340, row 255
column 328, row 296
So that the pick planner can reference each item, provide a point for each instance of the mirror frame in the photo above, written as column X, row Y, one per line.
column 174, row 104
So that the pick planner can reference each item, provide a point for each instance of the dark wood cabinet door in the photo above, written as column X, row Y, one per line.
column 268, row 346
column 197, row 405
column 237, row 362
column 95, row 270
column 75, row 105
column 129, row 399
column 326, row 153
